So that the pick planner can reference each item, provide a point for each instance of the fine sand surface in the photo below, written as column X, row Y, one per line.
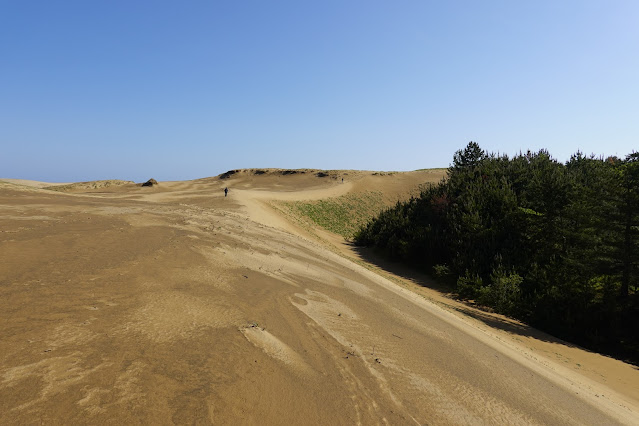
column 123, row 304
column 30, row 183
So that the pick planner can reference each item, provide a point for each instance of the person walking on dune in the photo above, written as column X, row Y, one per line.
column 226, row 191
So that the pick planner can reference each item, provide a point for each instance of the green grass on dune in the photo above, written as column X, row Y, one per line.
column 342, row 215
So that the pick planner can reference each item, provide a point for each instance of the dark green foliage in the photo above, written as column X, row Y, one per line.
column 503, row 293
column 469, row 285
column 556, row 245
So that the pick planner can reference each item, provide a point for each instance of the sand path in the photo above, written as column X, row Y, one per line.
column 178, row 305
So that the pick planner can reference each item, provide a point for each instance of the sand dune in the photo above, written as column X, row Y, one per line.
column 31, row 183
column 176, row 304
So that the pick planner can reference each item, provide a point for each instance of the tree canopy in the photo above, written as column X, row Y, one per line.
column 555, row 245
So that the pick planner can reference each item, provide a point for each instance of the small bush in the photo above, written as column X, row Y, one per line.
column 503, row 293
column 469, row 285
column 441, row 271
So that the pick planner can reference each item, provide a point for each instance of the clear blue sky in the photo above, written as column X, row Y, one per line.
column 182, row 90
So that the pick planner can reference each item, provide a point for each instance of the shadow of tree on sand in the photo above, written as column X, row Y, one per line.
column 422, row 279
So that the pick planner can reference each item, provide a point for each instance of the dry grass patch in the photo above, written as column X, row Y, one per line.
column 82, row 186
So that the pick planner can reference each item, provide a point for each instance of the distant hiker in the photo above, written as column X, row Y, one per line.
column 226, row 191
column 342, row 180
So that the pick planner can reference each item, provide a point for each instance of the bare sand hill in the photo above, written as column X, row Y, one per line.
column 30, row 183
column 175, row 304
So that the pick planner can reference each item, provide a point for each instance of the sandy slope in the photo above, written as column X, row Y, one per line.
column 174, row 304
column 31, row 183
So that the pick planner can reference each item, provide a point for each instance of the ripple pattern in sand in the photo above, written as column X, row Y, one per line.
column 174, row 315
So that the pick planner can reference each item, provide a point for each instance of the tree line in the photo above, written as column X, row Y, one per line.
column 555, row 245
